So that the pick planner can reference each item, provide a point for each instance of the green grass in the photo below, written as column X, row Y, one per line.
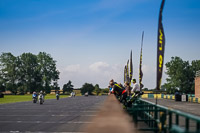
column 22, row 98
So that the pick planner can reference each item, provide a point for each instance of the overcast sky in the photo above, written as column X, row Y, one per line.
column 91, row 40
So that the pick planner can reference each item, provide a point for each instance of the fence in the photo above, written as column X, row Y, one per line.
column 163, row 119
column 191, row 97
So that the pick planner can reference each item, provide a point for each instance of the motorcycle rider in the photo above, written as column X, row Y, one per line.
column 74, row 93
column 41, row 94
column 34, row 94
column 57, row 95
column 34, row 97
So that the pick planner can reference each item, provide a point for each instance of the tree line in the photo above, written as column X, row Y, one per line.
column 86, row 87
column 181, row 75
column 28, row 73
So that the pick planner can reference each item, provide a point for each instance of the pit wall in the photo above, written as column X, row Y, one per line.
column 191, row 98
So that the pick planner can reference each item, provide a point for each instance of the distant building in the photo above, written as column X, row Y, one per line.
column 7, row 92
column 197, row 84
column 54, row 91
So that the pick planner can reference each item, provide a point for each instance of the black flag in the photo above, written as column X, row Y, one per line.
column 127, row 72
column 131, row 68
column 160, row 48
column 140, row 67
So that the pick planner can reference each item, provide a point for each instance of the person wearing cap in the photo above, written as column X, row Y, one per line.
column 136, row 92
column 136, row 87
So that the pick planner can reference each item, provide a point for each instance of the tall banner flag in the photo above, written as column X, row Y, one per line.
column 131, row 69
column 160, row 48
column 140, row 67
column 127, row 72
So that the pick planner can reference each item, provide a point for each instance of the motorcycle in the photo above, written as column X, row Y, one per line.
column 86, row 94
column 35, row 99
column 41, row 99
column 57, row 96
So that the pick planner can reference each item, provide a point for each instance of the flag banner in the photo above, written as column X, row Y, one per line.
column 140, row 67
column 160, row 48
column 127, row 72
column 131, row 68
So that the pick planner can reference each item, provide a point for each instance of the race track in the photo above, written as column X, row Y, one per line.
column 64, row 115
column 187, row 107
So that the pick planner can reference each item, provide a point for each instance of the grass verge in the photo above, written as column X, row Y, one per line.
column 23, row 98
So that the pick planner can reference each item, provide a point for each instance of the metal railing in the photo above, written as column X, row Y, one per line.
column 162, row 119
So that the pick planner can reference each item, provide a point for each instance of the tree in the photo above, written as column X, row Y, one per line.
column 2, row 83
column 48, row 72
column 55, row 86
column 97, row 90
column 195, row 66
column 170, row 89
column 87, row 88
column 29, row 72
column 145, row 89
column 106, row 90
column 68, row 87
column 9, row 75
column 180, row 75
column 2, row 86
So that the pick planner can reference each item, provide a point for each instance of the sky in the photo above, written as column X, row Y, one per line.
column 91, row 40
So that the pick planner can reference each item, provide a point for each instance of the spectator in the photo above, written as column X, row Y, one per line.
column 136, row 87
column 127, row 88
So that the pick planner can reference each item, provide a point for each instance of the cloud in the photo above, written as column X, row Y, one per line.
column 95, row 73
column 72, row 68
column 102, row 72
column 145, row 68
column 99, row 67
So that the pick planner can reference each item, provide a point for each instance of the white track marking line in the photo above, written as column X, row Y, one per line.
column 51, row 132
column 42, row 132
column 49, row 115
column 49, row 122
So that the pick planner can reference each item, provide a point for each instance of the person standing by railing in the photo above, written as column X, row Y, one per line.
column 127, row 88
column 117, row 89
column 136, row 88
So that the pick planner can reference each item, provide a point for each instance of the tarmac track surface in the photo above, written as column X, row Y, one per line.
column 187, row 107
column 65, row 115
